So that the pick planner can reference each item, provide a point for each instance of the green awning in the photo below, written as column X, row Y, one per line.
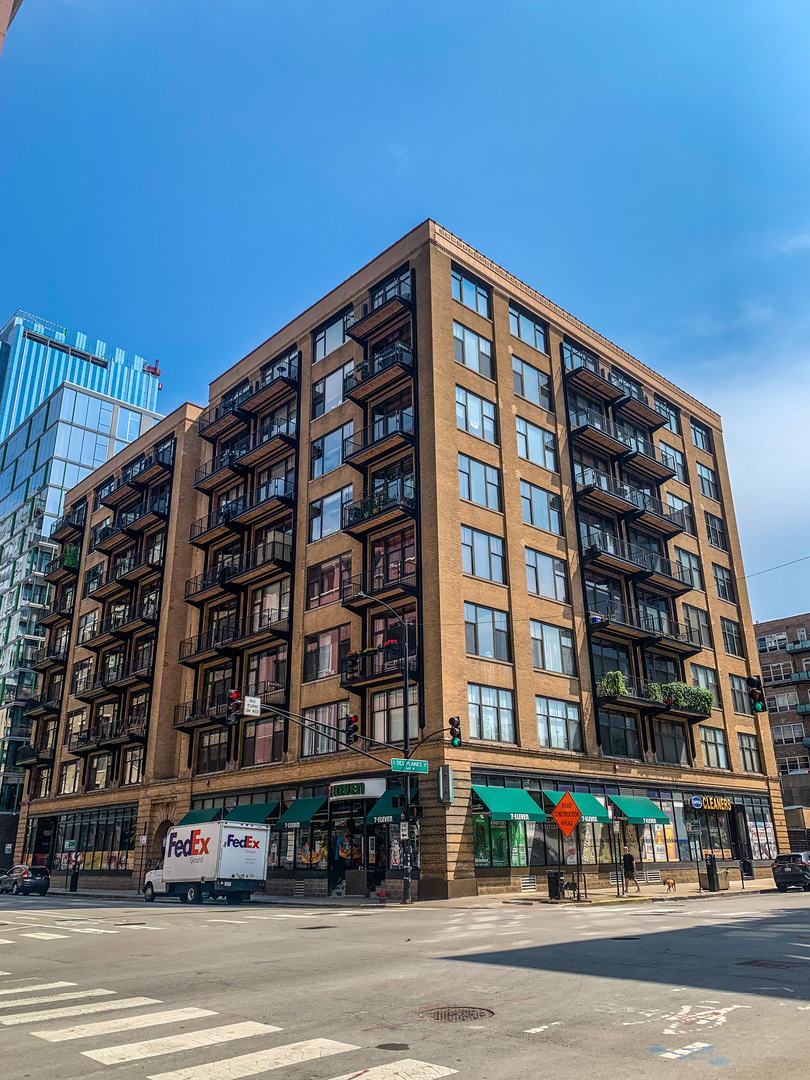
column 384, row 812
column 252, row 813
column 198, row 817
column 300, row 813
column 588, row 805
column 509, row 804
column 639, row 810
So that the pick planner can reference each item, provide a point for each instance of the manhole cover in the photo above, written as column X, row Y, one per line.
column 316, row 928
column 628, row 938
column 452, row 1014
column 782, row 964
column 393, row 1046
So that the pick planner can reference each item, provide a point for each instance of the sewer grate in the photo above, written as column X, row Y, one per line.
column 316, row 927
column 781, row 964
column 452, row 1014
column 627, row 938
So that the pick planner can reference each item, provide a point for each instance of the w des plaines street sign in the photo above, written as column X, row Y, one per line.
column 567, row 814
column 412, row 765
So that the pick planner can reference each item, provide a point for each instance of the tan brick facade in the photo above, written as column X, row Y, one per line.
column 253, row 518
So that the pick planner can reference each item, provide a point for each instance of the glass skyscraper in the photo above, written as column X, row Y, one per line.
column 67, row 405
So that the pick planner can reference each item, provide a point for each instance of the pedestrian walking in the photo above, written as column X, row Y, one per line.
column 629, row 864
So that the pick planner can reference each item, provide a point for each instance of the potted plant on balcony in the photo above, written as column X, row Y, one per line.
column 654, row 693
column 392, row 649
column 689, row 698
column 612, row 685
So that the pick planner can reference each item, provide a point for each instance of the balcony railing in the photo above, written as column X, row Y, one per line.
column 285, row 369
column 224, row 633
column 133, row 727
column 653, row 623
column 69, row 562
column 399, row 492
column 232, row 631
column 237, row 508
column 379, row 580
column 798, row 646
column 642, row 500
column 398, row 353
column 615, row 685
column 372, row 666
column 399, row 422
column 147, row 612
column 650, row 561
column 273, row 551
column 215, row 706
column 73, row 519
column 214, row 576
column 139, row 666
column 229, row 458
column 135, row 469
column 146, row 559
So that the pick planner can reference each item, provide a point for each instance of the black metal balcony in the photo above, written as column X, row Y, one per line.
column 236, row 408
column 385, row 304
column 213, row 581
column 372, row 667
column 123, row 574
column 387, row 434
column 379, row 371
column 71, row 522
column 233, row 462
column 209, row 643
column 215, row 708
column 119, row 624
column 59, row 609
column 643, row 625
column 635, row 404
column 263, row 626
column 62, row 567
column 615, row 688
column 29, row 656
column 395, row 500
column 216, row 421
column 54, row 656
column 265, row 559
column 268, row 498
column 27, row 756
column 130, row 729
column 611, row 553
column 138, row 475
column 44, row 704
column 585, row 371
column 601, row 434
column 115, row 677
column 604, row 492
column 382, row 583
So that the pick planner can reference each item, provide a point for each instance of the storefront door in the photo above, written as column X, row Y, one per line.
column 346, row 839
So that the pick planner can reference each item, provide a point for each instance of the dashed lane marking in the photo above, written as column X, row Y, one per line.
column 122, row 1023
column 171, row 1044
column 77, row 1010
column 262, row 1061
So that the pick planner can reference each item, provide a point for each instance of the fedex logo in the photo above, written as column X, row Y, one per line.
column 194, row 845
column 245, row 842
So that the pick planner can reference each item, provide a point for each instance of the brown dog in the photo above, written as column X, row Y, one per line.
column 670, row 884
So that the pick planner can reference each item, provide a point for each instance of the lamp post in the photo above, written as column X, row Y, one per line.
column 406, row 744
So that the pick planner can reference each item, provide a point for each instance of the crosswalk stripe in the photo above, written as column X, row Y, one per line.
column 35, row 987
column 49, row 998
column 170, row 1044
column 6, row 941
column 44, row 937
column 85, row 929
column 122, row 1023
column 250, row 1064
column 406, row 1069
column 77, row 1010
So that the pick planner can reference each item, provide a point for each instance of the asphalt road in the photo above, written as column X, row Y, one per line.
column 93, row 989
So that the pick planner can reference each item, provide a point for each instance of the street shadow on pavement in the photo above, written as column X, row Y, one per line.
column 764, row 956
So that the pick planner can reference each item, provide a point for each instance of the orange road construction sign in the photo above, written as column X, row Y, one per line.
column 567, row 814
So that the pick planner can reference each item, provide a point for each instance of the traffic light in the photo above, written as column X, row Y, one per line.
column 755, row 694
column 234, row 706
column 455, row 731
column 352, row 730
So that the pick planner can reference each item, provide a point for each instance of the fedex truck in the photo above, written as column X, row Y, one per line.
column 214, row 859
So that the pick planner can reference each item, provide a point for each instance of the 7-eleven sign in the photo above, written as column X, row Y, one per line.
column 567, row 814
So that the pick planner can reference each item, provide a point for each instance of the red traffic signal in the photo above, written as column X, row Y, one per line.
column 234, row 706
column 756, row 695
column 352, row 730
column 455, row 731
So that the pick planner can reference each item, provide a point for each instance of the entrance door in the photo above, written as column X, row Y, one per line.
column 346, row 836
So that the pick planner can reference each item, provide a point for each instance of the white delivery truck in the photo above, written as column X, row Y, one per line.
column 218, row 858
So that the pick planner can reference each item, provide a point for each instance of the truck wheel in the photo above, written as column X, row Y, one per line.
column 234, row 898
column 194, row 894
column 782, row 888
column 148, row 892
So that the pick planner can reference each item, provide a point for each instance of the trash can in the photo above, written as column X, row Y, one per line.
column 722, row 879
column 555, row 891
column 708, row 877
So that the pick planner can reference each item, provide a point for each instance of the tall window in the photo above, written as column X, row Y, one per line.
column 707, row 478
column 330, row 337
column 388, row 716
column 536, row 444
column 716, row 531
column 713, row 743
column 486, row 632
column 326, row 514
column 99, row 772
column 324, row 580
column 670, row 413
column 132, row 765
column 749, row 752
column 739, row 694
column 546, row 576
column 697, row 622
column 470, row 292
column 784, row 734
column 689, row 565
column 479, row 483
column 558, row 724
column 472, row 350
column 683, row 508
column 475, row 415
column 706, row 679
column 69, row 778
column 531, row 383
column 670, row 742
column 323, row 652
column 675, row 460
column 541, row 508
column 619, row 735
column 267, row 670
column 723, row 583
column 327, row 393
column 491, row 713
column 482, row 555
column 270, row 603
column 528, row 329
column 323, row 725
column 212, row 750
column 732, row 638
column 701, row 436
column 552, row 648
column 392, row 557
column 327, row 452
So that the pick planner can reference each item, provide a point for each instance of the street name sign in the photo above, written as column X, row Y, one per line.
column 252, row 706
column 411, row 765
column 567, row 814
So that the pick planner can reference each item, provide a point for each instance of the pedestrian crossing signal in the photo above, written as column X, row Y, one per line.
column 455, row 731
column 755, row 694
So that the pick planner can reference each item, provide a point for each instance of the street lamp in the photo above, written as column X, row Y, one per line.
column 406, row 743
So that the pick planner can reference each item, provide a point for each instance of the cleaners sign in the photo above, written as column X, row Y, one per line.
column 711, row 802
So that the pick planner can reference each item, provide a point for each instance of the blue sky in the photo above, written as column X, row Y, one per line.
column 181, row 177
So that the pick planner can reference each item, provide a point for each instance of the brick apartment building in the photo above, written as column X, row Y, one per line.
column 433, row 443
column 784, row 655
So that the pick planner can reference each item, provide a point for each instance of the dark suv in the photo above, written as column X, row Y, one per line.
column 22, row 880
column 792, row 869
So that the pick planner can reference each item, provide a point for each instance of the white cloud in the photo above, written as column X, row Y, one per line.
column 790, row 245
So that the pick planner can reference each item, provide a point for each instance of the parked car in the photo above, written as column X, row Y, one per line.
column 792, row 869
column 23, row 880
